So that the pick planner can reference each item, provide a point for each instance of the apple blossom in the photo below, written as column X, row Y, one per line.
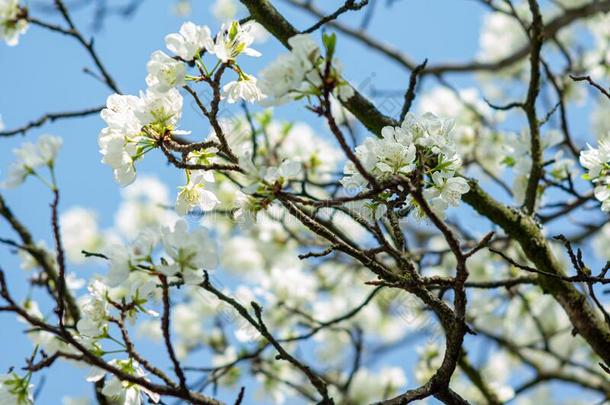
column 190, row 40
column 80, row 232
column 164, row 109
column 143, row 207
column 164, row 73
column 233, row 40
column 30, row 157
column 281, row 77
column 188, row 253
column 119, row 114
column 596, row 160
column 13, row 22
column 395, row 154
column 195, row 195
column 321, row 273
column 95, row 307
column 125, row 392
column 298, row 73
column 445, row 192
column 245, row 89
column 225, row 10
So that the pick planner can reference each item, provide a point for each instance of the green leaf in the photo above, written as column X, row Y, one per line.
column 265, row 118
column 509, row 161
column 330, row 42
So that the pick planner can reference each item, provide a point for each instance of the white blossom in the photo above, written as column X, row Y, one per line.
column 596, row 160
column 286, row 171
column 445, row 192
column 245, row 88
column 305, row 49
column 120, row 265
column 143, row 207
column 12, row 22
column 124, row 392
column 48, row 148
column 225, row 10
column 94, row 308
column 602, row 192
column 30, row 156
column 500, row 36
column 133, row 122
column 475, row 132
column 164, row 73
column 79, row 230
column 188, row 252
column 118, row 141
column 119, row 155
column 294, row 74
column 195, row 194
column 233, row 40
column 368, row 386
column 395, row 154
column 160, row 108
column 190, row 40
column 282, row 76
column 119, row 114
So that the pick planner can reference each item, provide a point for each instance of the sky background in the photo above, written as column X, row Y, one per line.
column 45, row 74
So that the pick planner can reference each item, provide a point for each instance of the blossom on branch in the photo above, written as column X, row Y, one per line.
column 597, row 162
column 13, row 22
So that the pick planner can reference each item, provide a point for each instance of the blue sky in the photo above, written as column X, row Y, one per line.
column 44, row 74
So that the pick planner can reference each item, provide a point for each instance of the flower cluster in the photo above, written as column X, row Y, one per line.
column 286, row 153
column 132, row 275
column 13, row 21
column 138, row 124
column 299, row 73
column 476, row 135
column 134, row 125
column 192, row 41
column 32, row 156
column 423, row 143
column 597, row 162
